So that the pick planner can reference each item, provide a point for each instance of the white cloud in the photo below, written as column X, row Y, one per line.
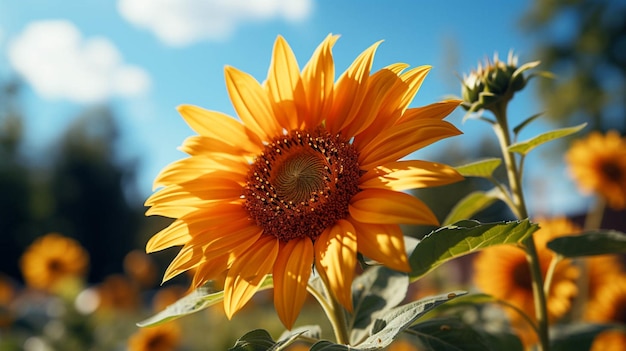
column 59, row 63
column 182, row 22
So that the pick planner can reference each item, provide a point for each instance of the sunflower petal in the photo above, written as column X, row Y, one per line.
column 410, row 174
column 394, row 105
column 403, row 139
column 291, row 276
column 350, row 91
column 203, row 145
column 193, row 167
column 335, row 259
column 437, row 110
column 383, row 243
column 251, row 103
column 318, row 77
column 283, row 84
column 220, row 126
column 388, row 206
column 176, row 234
column 247, row 272
column 212, row 269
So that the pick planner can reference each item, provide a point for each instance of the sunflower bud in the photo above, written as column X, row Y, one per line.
column 494, row 83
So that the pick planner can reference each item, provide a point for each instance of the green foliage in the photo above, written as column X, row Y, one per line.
column 199, row 299
column 374, row 292
column 483, row 168
column 590, row 243
column 463, row 238
column 577, row 337
column 452, row 334
column 390, row 324
column 524, row 147
column 525, row 122
column 471, row 204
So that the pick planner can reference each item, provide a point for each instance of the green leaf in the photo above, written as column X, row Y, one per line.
column 395, row 321
column 463, row 238
column 471, row 204
column 525, row 122
column 590, row 243
column 452, row 334
column 256, row 340
column 199, row 299
column 376, row 291
column 577, row 337
column 310, row 331
column 326, row 345
column 524, row 147
column 483, row 168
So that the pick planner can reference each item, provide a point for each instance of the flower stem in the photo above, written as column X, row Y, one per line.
column 334, row 312
column 513, row 174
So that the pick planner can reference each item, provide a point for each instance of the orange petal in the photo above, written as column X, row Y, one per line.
column 203, row 145
column 192, row 167
column 403, row 139
column 318, row 77
column 437, row 110
column 291, row 276
column 395, row 102
column 210, row 269
column 383, row 243
column 251, row 103
column 175, row 234
column 388, row 206
column 248, row 272
column 335, row 259
column 411, row 174
column 283, row 81
column 220, row 126
column 378, row 89
column 350, row 91
column 187, row 258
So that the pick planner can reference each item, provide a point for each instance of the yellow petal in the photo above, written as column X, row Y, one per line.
column 247, row 272
column 437, row 110
column 411, row 174
column 210, row 270
column 379, row 87
column 387, row 206
column 220, row 126
column 187, row 258
column 203, row 145
column 318, row 77
column 335, row 259
column 192, row 167
column 394, row 104
column 284, row 86
column 350, row 91
column 403, row 139
column 251, row 103
column 383, row 243
column 291, row 276
column 234, row 237
column 175, row 234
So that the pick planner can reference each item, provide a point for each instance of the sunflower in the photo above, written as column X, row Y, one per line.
column 598, row 164
column 52, row 258
column 163, row 337
column 503, row 272
column 309, row 177
column 610, row 304
column 610, row 340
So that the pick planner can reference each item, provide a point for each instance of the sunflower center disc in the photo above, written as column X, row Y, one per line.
column 301, row 184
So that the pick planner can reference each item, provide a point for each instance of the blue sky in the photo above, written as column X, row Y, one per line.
column 145, row 57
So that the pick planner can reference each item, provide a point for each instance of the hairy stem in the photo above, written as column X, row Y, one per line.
column 513, row 174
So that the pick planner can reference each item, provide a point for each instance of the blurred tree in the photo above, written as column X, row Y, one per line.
column 15, row 180
column 87, row 187
column 584, row 43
